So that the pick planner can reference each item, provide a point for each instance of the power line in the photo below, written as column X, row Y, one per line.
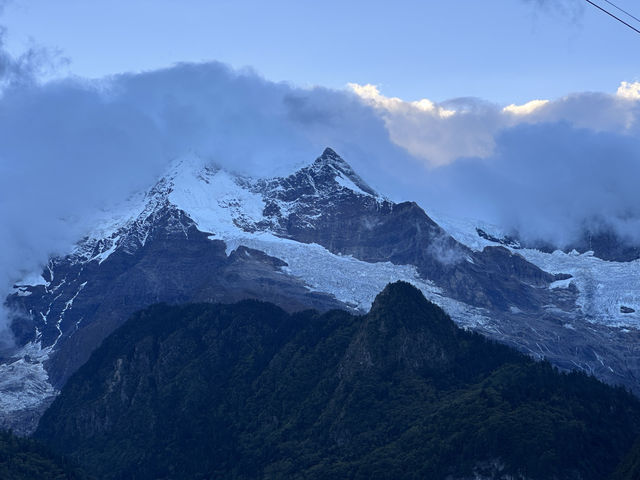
column 623, row 11
column 612, row 15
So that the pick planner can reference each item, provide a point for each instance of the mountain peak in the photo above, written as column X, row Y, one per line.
column 330, row 159
column 330, row 154
column 399, row 292
column 404, row 303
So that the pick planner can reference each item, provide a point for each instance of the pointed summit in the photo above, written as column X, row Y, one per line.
column 330, row 159
column 392, row 291
column 329, row 155
column 400, row 292
column 405, row 304
column 402, row 330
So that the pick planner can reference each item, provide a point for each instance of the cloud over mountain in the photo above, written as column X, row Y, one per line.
column 70, row 147
column 548, row 170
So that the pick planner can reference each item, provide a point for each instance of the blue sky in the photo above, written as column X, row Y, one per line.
column 506, row 51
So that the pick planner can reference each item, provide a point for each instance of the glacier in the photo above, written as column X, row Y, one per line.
column 603, row 286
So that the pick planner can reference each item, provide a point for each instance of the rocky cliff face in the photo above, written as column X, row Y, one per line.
column 319, row 238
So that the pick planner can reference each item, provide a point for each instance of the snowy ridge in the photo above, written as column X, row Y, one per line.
column 215, row 200
column 465, row 230
column 345, row 182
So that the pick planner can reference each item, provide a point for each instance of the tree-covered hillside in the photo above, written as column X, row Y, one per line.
column 25, row 459
column 248, row 391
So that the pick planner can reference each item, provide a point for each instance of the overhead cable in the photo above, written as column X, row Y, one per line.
column 614, row 16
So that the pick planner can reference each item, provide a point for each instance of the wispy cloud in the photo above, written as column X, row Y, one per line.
column 571, row 9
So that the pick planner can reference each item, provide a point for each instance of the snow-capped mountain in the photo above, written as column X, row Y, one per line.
column 319, row 238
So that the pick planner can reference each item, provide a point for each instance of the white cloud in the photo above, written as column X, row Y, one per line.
column 629, row 90
column 429, row 131
column 371, row 94
column 525, row 109
column 441, row 133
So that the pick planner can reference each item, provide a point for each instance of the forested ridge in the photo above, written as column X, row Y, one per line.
column 248, row 391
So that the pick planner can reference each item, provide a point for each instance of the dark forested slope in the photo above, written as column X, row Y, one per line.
column 25, row 459
column 248, row 391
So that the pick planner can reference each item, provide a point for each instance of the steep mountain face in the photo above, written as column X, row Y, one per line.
column 376, row 230
column 249, row 391
column 319, row 238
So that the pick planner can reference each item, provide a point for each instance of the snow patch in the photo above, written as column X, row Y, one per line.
column 561, row 283
column 33, row 279
column 345, row 182
column 24, row 383
column 101, row 257
column 464, row 230
column 215, row 201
